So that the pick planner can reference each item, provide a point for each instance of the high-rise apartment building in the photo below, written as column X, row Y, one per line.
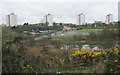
column 109, row 19
column 11, row 19
column 48, row 19
column 119, row 11
column 81, row 19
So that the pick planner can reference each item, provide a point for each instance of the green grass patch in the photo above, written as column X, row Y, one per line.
column 58, row 37
column 89, row 30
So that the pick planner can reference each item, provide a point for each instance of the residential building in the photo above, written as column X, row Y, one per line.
column 11, row 19
column 81, row 19
column 48, row 19
column 109, row 19
column 119, row 11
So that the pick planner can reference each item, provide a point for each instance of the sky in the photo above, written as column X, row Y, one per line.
column 65, row 11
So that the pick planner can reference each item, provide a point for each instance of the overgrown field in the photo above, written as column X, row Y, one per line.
column 20, row 54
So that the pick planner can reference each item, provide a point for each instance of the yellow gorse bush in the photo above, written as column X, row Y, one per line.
column 80, row 52
column 84, row 54
column 108, row 58
column 117, row 50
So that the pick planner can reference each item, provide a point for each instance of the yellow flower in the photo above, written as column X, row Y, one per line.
column 115, row 60
column 117, row 50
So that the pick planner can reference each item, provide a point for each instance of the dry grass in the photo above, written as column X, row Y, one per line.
column 33, row 51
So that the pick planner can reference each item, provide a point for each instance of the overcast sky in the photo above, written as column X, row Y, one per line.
column 32, row 11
